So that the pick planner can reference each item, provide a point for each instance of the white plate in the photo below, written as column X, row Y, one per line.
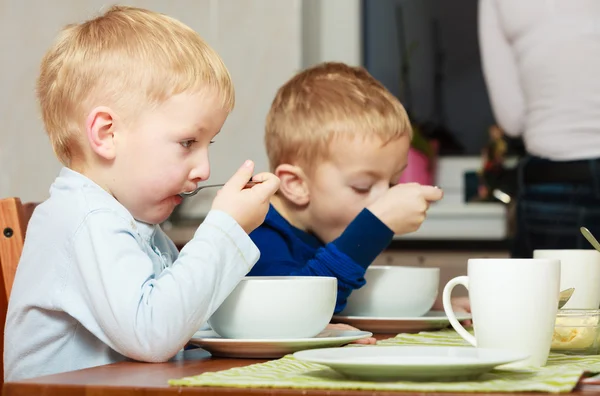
column 413, row 363
column 433, row 320
column 275, row 348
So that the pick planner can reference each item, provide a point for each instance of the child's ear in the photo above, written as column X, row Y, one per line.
column 293, row 184
column 100, row 130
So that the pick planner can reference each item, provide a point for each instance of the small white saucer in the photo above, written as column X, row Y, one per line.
column 433, row 320
column 272, row 348
column 411, row 363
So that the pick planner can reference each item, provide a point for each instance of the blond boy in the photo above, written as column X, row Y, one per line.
column 338, row 141
column 131, row 101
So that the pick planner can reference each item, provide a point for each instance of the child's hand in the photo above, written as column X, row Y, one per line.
column 248, row 206
column 342, row 326
column 459, row 304
column 403, row 207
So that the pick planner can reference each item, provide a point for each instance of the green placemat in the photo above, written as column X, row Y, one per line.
column 561, row 374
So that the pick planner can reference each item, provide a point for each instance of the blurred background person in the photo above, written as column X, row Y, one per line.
column 541, row 62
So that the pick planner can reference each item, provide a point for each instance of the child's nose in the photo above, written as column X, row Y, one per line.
column 200, row 172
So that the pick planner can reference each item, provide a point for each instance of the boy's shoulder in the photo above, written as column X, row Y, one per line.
column 273, row 221
column 73, row 198
column 54, row 227
column 275, row 226
column 277, row 234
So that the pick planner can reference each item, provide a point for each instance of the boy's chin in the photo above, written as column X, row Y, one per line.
column 152, row 219
column 155, row 215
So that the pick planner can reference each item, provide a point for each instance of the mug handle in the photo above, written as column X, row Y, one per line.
column 459, row 280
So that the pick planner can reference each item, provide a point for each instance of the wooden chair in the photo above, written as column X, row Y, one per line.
column 14, row 217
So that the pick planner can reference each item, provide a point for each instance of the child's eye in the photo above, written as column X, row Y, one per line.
column 187, row 143
column 361, row 189
column 212, row 141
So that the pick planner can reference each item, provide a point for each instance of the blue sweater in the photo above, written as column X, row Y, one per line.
column 287, row 250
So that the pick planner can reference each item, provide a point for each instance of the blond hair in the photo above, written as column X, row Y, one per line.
column 129, row 58
column 325, row 102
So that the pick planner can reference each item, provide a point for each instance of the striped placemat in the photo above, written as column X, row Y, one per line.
column 561, row 374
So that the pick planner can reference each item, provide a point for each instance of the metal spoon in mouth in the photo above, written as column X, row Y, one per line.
column 192, row 193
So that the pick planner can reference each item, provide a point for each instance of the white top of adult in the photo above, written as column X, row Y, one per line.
column 541, row 62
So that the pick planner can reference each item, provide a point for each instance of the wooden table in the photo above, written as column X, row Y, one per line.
column 133, row 378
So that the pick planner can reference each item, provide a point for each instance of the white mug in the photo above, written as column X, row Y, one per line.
column 514, row 303
column 579, row 268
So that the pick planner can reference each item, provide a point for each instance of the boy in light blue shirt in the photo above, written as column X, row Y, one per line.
column 131, row 101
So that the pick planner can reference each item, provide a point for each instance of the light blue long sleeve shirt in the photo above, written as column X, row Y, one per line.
column 94, row 286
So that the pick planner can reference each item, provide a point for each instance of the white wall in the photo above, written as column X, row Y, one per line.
column 263, row 43
column 331, row 31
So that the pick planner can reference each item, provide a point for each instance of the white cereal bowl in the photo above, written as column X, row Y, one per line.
column 276, row 307
column 395, row 292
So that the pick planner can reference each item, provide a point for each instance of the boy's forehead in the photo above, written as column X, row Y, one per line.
column 369, row 155
column 196, row 111
column 363, row 146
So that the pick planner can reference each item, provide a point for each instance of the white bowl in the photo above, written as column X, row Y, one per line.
column 395, row 291
column 276, row 307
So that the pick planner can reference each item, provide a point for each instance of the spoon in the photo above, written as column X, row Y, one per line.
column 564, row 296
column 192, row 193
column 588, row 235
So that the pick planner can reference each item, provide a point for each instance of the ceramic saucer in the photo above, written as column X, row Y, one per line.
column 272, row 348
column 433, row 320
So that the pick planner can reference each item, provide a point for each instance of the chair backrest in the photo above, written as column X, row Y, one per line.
column 13, row 224
column 14, row 217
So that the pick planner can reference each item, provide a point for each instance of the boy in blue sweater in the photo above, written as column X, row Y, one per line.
column 338, row 141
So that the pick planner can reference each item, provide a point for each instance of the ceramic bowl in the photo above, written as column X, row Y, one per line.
column 276, row 308
column 395, row 291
